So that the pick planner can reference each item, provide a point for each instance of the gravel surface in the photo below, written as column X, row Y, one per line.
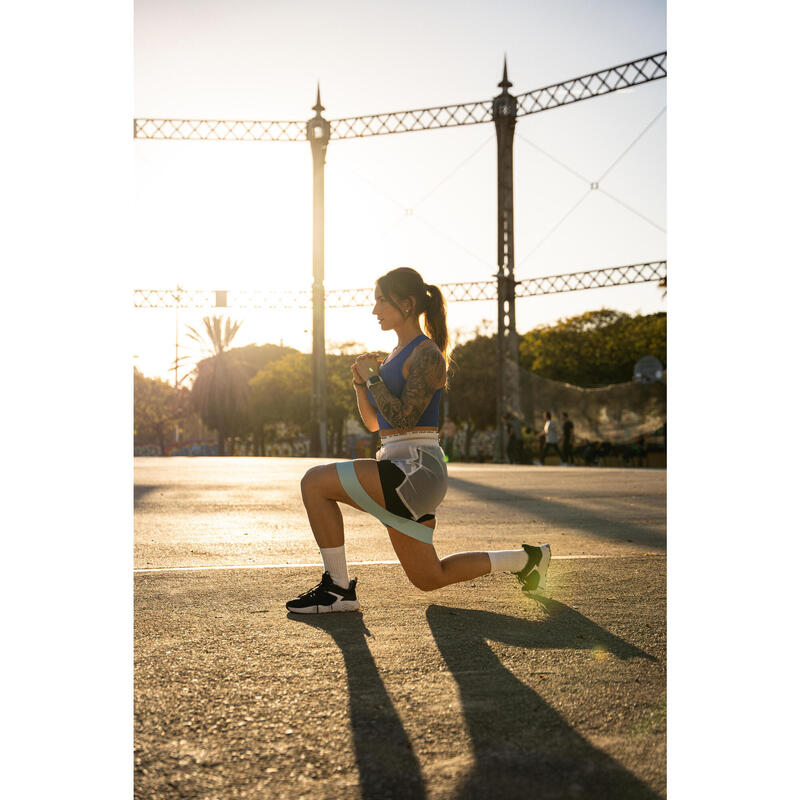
column 472, row 691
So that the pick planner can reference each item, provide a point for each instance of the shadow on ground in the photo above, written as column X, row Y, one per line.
column 522, row 747
column 387, row 765
column 564, row 514
column 140, row 491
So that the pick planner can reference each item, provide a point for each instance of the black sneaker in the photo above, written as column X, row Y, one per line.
column 533, row 576
column 325, row 597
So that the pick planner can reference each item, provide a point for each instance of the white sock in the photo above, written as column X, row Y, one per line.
column 335, row 563
column 508, row 560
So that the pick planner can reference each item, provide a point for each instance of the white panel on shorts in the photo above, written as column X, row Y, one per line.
column 421, row 459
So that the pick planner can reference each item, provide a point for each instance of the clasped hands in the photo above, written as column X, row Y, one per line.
column 365, row 366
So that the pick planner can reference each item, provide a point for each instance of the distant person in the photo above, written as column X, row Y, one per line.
column 403, row 487
column 510, row 442
column 527, row 445
column 551, row 437
column 514, row 446
column 517, row 428
column 567, row 427
column 448, row 438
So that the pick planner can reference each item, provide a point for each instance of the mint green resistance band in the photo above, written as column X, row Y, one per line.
column 416, row 530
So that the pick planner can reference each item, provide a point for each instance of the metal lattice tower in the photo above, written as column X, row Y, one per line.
column 318, row 130
column 504, row 114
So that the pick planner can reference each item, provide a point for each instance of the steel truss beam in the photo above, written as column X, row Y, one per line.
column 220, row 130
column 594, row 84
column 359, row 298
column 593, row 279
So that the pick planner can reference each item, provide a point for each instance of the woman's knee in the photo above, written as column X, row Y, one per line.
column 310, row 480
column 419, row 560
column 426, row 581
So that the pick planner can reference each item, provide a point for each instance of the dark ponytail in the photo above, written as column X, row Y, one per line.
column 405, row 283
column 436, row 320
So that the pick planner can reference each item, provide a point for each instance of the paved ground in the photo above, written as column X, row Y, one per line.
column 473, row 691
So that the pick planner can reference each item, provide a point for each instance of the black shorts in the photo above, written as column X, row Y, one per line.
column 391, row 477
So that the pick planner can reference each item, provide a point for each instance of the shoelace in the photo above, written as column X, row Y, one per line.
column 312, row 594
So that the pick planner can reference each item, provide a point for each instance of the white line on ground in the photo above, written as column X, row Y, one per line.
column 349, row 564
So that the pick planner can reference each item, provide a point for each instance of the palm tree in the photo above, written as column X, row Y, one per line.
column 220, row 392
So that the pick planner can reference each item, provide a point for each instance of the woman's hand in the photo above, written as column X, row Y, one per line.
column 365, row 366
column 356, row 376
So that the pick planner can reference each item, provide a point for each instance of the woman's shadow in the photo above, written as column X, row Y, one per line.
column 523, row 747
column 387, row 765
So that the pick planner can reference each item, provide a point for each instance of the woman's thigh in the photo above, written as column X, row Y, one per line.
column 324, row 480
column 419, row 560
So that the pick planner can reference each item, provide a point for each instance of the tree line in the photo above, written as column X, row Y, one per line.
column 262, row 392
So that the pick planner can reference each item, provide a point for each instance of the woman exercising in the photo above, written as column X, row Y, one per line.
column 407, row 481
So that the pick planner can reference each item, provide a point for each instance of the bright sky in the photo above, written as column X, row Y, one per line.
column 223, row 215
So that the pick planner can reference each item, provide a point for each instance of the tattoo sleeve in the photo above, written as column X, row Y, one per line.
column 426, row 374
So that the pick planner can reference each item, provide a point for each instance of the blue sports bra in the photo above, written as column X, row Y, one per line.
column 392, row 374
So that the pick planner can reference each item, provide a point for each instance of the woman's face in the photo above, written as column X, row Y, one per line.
column 388, row 316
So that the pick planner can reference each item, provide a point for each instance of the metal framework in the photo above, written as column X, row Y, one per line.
column 646, row 272
column 594, row 84
column 504, row 115
column 242, row 130
column 318, row 130
column 623, row 76
column 503, row 110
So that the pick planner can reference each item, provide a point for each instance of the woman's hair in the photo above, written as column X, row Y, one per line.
column 405, row 283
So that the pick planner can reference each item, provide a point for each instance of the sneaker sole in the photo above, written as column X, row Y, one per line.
column 523, row 577
column 341, row 605
column 541, row 568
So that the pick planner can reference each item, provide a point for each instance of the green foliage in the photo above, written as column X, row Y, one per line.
column 341, row 399
column 216, row 336
column 281, row 392
column 472, row 395
column 220, row 392
column 597, row 348
column 593, row 349
column 259, row 390
column 255, row 357
column 157, row 407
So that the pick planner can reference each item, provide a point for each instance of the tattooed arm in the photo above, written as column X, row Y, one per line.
column 426, row 374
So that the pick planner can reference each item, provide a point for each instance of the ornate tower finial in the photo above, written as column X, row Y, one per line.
column 505, row 83
column 318, row 107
